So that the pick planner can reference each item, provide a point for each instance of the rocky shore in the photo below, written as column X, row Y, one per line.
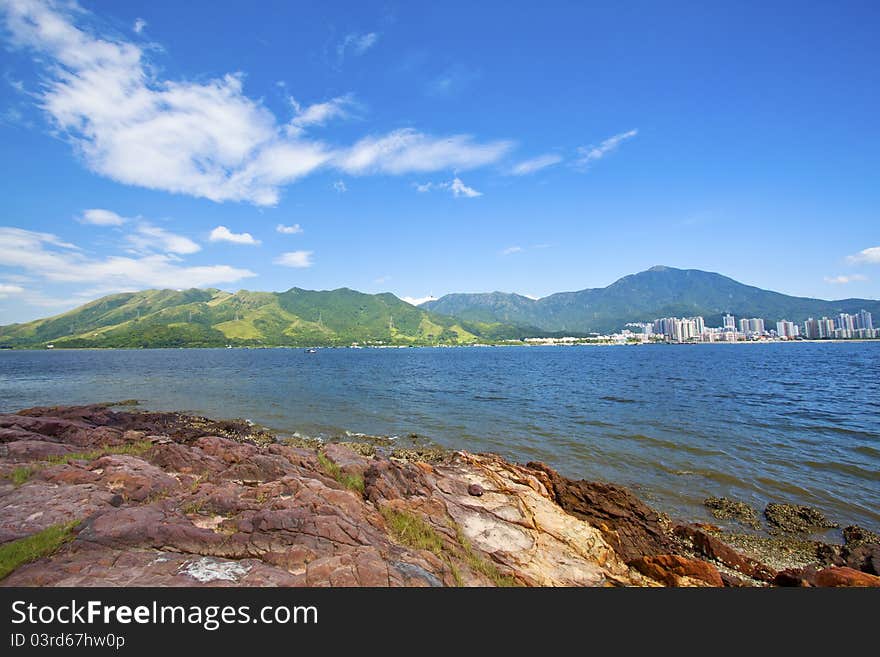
column 105, row 496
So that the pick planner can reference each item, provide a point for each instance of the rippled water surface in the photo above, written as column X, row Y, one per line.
column 775, row 422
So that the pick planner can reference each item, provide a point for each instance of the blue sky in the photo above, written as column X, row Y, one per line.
column 432, row 148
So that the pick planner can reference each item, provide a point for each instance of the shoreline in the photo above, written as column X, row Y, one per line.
column 171, row 489
column 455, row 346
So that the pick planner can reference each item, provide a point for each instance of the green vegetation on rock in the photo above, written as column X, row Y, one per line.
column 25, row 550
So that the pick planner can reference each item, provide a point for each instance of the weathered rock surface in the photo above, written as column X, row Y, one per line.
column 166, row 499
column 724, row 508
column 630, row 526
column 711, row 547
column 674, row 570
column 796, row 519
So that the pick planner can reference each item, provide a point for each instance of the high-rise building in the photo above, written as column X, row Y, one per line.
column 826, row 328
column 756, row 325
column 729, row 322
column 786, row 330
column 811, row 329
column 701, row 325
column 743, row 326
column 865, row 320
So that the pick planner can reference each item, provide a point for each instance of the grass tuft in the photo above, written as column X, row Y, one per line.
column 33, row 547
column 412, row 531
column 132, row 449
column 21, row 474
column 352, row 482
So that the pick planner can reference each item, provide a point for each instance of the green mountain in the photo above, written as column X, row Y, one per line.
column 657, row 292
column 211, row 318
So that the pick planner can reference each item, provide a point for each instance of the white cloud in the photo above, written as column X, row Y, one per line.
column 591, row 153
column 456, row 187
column 299, row 259
column 531, row 296
column 99, row 217
column 7, row 290
column 536, row 164
column 148, row 237
column 842, row 280
column 318, row 114
column 205, row 139
column 510, row 250
column 354, row 43
column 47, row 257
column 340, row 187
column 408, row 151
column 870, row 256
column 223, row 234
column 139, row 25
column 288, row 230
column 418, row 301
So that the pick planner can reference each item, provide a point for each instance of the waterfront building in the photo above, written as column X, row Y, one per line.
column 811, row 329
column 729, row 322
column 786, row 330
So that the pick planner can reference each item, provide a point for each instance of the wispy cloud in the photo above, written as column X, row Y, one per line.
column 139, row 25
column 418, row 301
column 100, row 217
column 844, row 279
column 149, row 238
column 205, row 139
column 869, row 256
column 223, row 234
column 536, row 164
column 451, row 82
column 510, row 250
column 355, row 44
column 318, row 114
column 456, row 187
column 340, row 187
column 588, row 154
column 298, row 259
column 408, row 151
column 288, row 230
column 46, row 257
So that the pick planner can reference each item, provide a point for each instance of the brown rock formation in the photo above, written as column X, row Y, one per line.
column 166, row 499
column 630, row 526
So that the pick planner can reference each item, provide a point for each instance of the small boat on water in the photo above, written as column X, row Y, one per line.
column 311, row 351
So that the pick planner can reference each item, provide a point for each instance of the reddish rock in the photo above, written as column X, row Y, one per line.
column 35, row 450
column 349, row 461
column 713, row 548
column 132, row 477
column 674, row 570
column 844, row 576
column 476, row 490
column 180, row 458
column 794, row 577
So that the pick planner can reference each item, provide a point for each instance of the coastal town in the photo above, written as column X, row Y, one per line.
column 845, row 326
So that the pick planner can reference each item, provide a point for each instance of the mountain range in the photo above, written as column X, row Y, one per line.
column 211, row 318
column 297, row 317
column 658, row 292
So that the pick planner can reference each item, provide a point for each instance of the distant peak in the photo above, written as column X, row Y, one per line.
column 660, row 268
